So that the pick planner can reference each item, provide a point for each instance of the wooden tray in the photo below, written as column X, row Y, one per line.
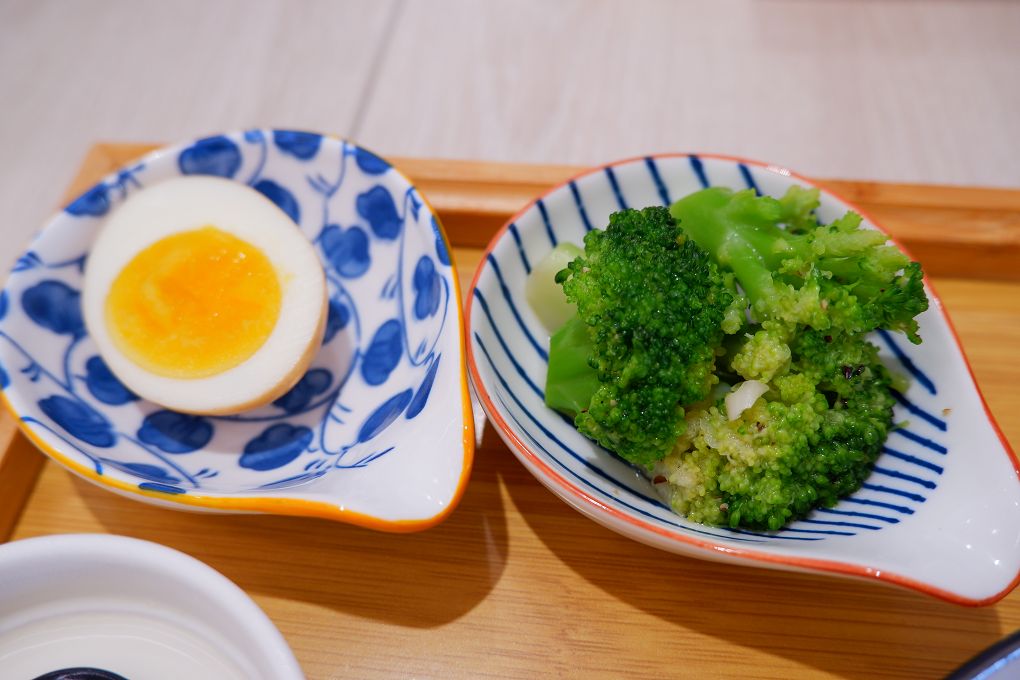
column 515, row 583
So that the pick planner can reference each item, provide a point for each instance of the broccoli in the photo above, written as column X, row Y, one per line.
column 651, row 306
column 674, row 307
column 824, row 276
column 815, row 291
column 810, row 440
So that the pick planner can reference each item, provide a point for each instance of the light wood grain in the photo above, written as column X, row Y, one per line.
column 517, row 585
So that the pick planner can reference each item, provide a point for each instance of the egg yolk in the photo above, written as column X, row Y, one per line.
column 194, row 304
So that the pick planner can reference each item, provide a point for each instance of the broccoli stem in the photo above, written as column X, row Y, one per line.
column 571, row 381
column 708, row 218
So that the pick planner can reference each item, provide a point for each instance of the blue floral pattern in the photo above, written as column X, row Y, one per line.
column 275, row 447
column 347, row 250
column 390, row 316
column 95, row 202
column 103, row 384
column 55, row 306
column 219, row 156
column 302, row 145
column 376, row 206
column 174, row 432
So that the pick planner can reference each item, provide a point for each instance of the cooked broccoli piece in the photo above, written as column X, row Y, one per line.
column 815, row 291
column 725, row 287
column 837, row 276
column 651, row 307
column 810, row 440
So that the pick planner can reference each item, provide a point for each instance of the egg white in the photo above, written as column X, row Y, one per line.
column 188, row 203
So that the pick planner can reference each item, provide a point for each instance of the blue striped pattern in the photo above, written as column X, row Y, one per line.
column 509, row 346
column 918, row 375
column 748, row 179
column 621, row 202
column 520, row 247
column 545, row 220
column 580, row 206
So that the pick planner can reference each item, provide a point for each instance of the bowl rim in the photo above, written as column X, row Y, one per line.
column 153, row 559
column 594, row 508
column 277, row 505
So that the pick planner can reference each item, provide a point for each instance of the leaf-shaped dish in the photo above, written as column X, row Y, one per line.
column 941, row 510
column 377, row 432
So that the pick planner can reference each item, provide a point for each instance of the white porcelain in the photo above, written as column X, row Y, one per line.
column 130, row 607
column 377, row 432
column 940, row 513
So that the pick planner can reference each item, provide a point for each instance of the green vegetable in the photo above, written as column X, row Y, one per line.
column 660, row 321
column 653, row 305
column 815, row 291
column 545, row 298
column 836, row 276
column 570, row 381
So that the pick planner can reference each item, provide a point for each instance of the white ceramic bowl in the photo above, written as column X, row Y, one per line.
column 941, row 511
column 130, row 607
column 378, row 432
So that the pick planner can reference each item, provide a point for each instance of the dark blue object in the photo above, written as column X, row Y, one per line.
column 384, row 415
column 346, row 250
column 441, row 252
column 3, row 304
column 56, row 306
column 369, row 163
column 312, row 383
column 93, row 203
column 745, row 172
column 175, row 432
column 336, row 319
column 275, row 447
column 905, row 361
column 383, row 353
column 80, row 420
column 211, row 156
column 4, row 379
column 699, row 170
column 283, row 199
column 660, row 186
column 104, row 385
column 153, row 473
column 426, row 288
column 998, row 662
column 421, row 397
column 80, row 673
column 376, row 206
column 302, row 145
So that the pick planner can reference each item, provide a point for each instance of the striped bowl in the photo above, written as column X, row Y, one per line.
column 941, row 510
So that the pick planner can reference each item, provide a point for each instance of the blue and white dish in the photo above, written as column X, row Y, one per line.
column 941, row 510
column 377, row 432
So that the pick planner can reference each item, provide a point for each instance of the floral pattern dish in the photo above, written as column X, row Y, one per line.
column 377, row 431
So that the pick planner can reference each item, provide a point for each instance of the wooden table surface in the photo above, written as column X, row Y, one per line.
column 515, row 583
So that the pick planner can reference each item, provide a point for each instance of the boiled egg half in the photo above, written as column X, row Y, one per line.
column 204, row 297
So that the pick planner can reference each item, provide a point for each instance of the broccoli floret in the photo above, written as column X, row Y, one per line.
column 815, row 291
column 837, row 276
column 652, row 305
column 736, row 287
column 810, row 440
